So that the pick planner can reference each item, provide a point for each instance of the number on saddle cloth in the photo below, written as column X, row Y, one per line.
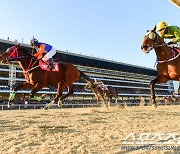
column 45, row 66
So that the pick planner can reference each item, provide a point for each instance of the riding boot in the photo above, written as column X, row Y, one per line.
column 51, row 65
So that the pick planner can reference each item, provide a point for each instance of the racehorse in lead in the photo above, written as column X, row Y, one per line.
column 168, row 60
column 37, row 78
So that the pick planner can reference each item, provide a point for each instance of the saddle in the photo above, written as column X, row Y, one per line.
column 45, row 66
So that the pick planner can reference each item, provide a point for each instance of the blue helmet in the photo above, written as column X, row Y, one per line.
column 33, row 41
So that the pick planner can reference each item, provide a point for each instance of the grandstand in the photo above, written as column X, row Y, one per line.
column 131, row 81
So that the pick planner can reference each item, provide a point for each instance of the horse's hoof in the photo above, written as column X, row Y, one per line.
column 155, row 105
column 59, row 103
column 43, row 96
column 8, row 105
column 45, row 108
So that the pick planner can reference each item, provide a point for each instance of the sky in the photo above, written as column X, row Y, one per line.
column 108, row 29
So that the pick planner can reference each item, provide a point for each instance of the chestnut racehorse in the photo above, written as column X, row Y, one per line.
column 98, row 93
column 37, row 78
column 168, row 60
column 101, row 93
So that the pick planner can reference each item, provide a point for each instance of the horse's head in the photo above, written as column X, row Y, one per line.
column 150, row 40
column 12, row 53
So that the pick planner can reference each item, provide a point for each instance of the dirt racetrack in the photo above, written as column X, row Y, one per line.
column 83, row 130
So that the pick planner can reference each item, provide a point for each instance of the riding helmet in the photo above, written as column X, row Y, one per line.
column 161, row 25
column 33, row 41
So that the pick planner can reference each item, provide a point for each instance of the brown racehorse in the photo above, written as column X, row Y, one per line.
column 168, row 60
column 111, row 92
column 36, row 78
column 98, row 93
column 101, row 93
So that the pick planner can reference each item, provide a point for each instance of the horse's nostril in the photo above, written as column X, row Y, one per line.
column 143, row 47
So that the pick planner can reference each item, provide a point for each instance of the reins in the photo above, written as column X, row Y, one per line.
column 156, row 45
column 168, row 60
column 10, row 58
column 29, row 67
column 170, row 57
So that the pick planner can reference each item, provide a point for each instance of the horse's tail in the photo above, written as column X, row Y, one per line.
column 85, row 77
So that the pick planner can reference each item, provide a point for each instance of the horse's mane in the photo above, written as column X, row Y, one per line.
column 26, row 50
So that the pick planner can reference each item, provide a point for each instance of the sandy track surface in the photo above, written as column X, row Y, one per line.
column 85, row 130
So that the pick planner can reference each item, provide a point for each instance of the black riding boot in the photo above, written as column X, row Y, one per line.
column 51, row 65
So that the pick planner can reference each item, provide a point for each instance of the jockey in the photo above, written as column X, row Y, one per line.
column 43, row 48
column 169, row 32
column 101, row 85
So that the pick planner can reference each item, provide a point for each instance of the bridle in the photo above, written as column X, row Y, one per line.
column 156, row 44
column 13, row 56
column 155, row 39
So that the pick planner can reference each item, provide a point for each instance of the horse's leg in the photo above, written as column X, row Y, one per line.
column 59, row 93
column 61, row 87
column 102, row 94
column 104, row 101
column 70, row 91
column 109, row 101
column 116, row 99
column 21, row 86
column 158, row 79
column 43, row 96
column 179, row 89
column 152, row 83
column 35, row 89
column 97, row 98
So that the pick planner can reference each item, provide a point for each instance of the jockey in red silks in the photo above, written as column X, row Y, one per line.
column 42, row 48
column 101, row 85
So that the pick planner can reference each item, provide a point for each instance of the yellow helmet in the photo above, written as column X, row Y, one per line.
column 161, row 25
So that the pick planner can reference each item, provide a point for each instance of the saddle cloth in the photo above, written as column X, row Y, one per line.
column 103, row 88
column 177, row 49
column 45, row 66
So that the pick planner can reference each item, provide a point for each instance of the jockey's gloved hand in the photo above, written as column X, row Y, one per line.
column 34, row 58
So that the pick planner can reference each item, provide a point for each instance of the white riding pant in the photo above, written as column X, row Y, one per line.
column 175, row 45
column 178, row 44
column 49, row 55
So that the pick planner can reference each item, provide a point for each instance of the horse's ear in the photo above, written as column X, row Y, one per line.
column 154, row 29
